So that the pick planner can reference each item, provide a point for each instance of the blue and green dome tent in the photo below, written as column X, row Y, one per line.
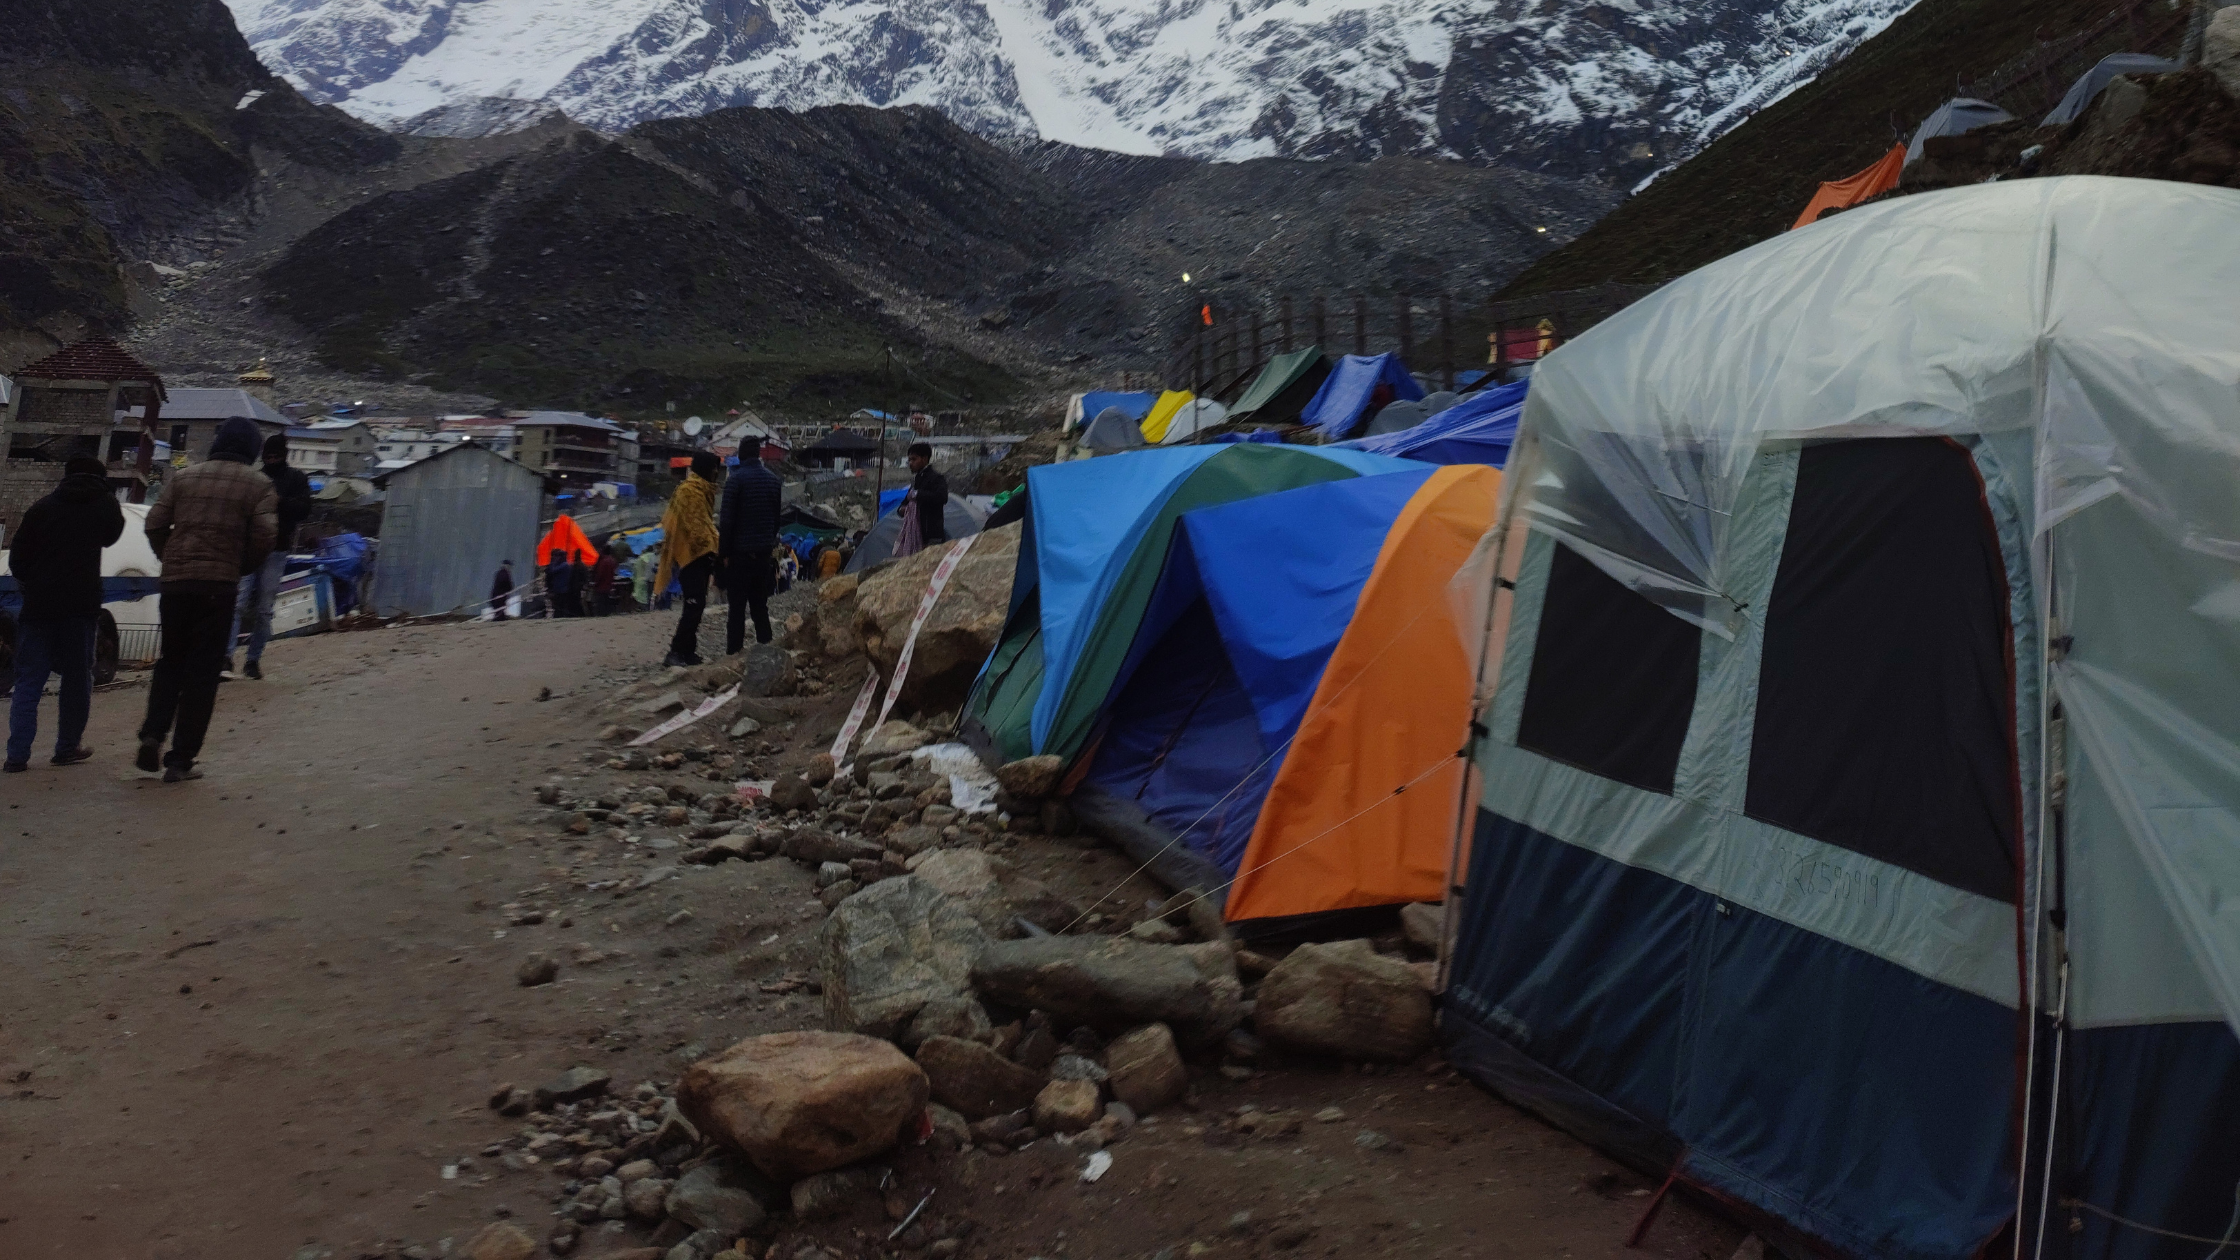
column 1095, row 543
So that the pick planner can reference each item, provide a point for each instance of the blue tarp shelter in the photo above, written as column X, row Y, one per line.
column 1358, row 387
column 1135, row 406
column 889, row 500
column 1478, row 430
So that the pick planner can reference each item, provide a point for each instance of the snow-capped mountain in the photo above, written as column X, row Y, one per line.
column 1609, row 88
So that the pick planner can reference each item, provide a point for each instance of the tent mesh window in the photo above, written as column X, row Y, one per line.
column 1885, row 696
column 1613, row 678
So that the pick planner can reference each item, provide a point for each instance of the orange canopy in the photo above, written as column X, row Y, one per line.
column 568, row 539
column 1391, row 709
column 1853, row 189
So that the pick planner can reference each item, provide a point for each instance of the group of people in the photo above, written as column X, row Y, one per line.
column 576, row 588
column 222, row 529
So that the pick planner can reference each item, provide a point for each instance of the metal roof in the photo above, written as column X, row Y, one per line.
column 214, row 404
column 94, row 359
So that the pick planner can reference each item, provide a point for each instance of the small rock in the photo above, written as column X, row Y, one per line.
column 1074, row 1067
column 791, row 791
column 828, row 1194
column 1347, row 1001
column 1240, row 1223
column 1156, row 932
column 830, row 873
column 807, row 844
column 1121, row 1116
column 1032, row 777
column 1371, row 1140
column 573, row 1085
column 1330, row 1115
column 1068, row 1106
column 948, row 1125
column 820, row 770
column 646, row 1199
column 715, row 1196
column 536, row 969
column 679, row 919
column 892, row 950
column 501, row 1241
column 801, row 1103
column 975, row 1080
column 1421, row 921
column 1241, row 1045
column 912, row 841
column 1145, row 1070
column 744, row 727
column 833, row 894
column 1287, row 1237
column 895, row 737
column 1114, row 983
column 660, row 706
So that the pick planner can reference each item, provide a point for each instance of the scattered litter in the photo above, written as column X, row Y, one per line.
column 911, row 1219
column 752, row 790
column 1099, row 1164
column 450, row 1172
column 972, row 786
column 682, row 720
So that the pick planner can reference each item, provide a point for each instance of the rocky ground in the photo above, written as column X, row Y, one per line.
column 436, row 963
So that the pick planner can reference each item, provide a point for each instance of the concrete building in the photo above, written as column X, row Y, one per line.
column 450, row 519
column 352, row 443
column 189, row 419
column 575, row 449
column 65, row 406
column 495, row 432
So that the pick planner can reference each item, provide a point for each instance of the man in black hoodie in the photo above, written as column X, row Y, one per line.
column 259, row 588
column 56, row 559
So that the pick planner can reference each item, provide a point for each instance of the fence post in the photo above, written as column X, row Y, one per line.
column 1407, row 330
column 1321, row 323
column 1255, row 337
column 1198, row 355
column 1446, row 343
column 1360, row 324
column 1286, row 317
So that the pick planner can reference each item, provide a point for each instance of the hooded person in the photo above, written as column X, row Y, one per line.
column 216, row 520
column 689, row 547
column 501, row 590
column 56, row 559
column 747, row 536
column 261, row 586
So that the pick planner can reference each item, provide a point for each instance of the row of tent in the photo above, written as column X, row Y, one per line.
column 1963, row 114
column 1847, row 662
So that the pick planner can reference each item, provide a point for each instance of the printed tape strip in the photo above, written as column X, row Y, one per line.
column 854, row 723
column 934, row 588
column 682, row 720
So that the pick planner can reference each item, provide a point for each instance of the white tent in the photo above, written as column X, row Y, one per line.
column 1955, row 117
column 2066, row 354
column 1197, row 415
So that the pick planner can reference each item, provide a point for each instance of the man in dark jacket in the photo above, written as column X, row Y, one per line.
column 930, row 491
column 747, row 532
column 57, row 565
column 216, row 521
column 501, row 590
column 259, row 589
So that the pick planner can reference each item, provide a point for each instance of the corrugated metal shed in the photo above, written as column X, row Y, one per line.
column 451, row 519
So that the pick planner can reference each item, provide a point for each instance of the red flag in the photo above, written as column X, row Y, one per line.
column 1207, row 312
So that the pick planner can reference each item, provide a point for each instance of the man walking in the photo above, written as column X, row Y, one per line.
column 57, row 565
column 688, row 550
column 216, row 520
column 749, row 534
column 929, row 490
column 501, row 590
column 261, row 587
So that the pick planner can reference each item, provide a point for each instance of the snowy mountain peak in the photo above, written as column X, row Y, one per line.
column 1614, row 88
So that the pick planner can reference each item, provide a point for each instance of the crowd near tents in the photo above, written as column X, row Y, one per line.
column 1844, row 643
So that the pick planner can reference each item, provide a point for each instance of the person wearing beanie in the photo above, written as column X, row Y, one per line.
column 216, row 521
column 262, row 586
column 688, row 550
column 56, row 559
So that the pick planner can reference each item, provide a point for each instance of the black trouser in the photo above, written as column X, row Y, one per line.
column 694, row 579
column 197, row 618
column 752, row 575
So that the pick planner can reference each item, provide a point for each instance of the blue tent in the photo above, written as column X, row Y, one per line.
column 1478, row 430
column 1351, row 391
column 889, row 500
column 1134, row 406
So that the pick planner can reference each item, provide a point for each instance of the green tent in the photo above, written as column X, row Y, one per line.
column 1283, row 389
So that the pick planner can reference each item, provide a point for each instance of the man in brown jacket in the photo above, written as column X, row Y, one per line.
column 215, row 521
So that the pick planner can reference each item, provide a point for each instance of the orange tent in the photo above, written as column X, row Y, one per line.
column 1390, row 710
column 1853, row 189
column 568, row 539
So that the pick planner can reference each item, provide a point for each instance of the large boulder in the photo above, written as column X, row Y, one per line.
column 974, row 1080
column 959, row 633
column 836, row 617
column 2220, row 49
column 1345, row 1000
column 895, row 951
column 1144, row 1069
column 801, row 1103
column 1114, row 983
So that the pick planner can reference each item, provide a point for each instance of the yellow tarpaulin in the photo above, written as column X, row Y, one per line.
column 1162, row 414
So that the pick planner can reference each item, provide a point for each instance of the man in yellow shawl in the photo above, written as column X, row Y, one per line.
column 688, row 550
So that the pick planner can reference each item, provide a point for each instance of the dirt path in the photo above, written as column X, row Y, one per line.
column 257, row 1016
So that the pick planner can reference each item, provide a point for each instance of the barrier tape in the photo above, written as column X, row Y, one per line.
column 687, row 718
column 932, row 596
column 856, row 714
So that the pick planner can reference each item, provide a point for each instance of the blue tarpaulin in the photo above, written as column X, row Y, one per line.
column 1132, row 405
column 1478, row 430
column 1351, row 392
column 889, row 500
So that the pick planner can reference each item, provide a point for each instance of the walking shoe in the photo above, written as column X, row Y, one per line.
column 674, row 661
column 151, row 756
column 254, row 671
column 178, row 774
column 73, row 757
column 15, row 767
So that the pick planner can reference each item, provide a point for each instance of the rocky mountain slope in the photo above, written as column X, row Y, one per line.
column 1753, row 181
column 1614, row 89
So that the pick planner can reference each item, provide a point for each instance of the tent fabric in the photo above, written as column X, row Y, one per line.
column 1842, row 194
column 1162, row 414
column 1283, row 388
column 2094, row 81
column 2072, row 337
column 1096, row 538
column 1479, row 429
column 1352, row 389
column 1083, row 408
column 889, row 500
column 567, row 538
column 878, row 543
column 1112, row 430
column 1390, row 704
column 1193, row 418
column 1955, row 117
